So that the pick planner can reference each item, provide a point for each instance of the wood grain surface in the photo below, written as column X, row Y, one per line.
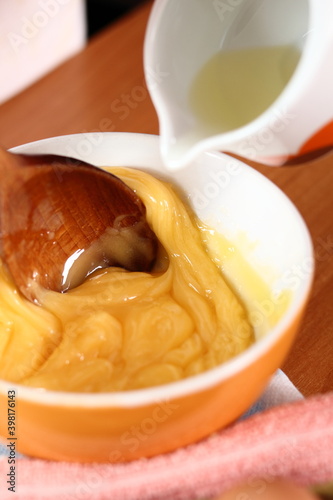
column 103, row 89
column 83, row 208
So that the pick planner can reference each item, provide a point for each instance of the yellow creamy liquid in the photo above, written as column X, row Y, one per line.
column 124, row 330
column 236, row 86
column 264, row 307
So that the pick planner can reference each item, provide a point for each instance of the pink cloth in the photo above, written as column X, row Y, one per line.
column 293, row 441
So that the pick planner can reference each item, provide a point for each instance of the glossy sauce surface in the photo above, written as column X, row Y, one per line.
column 122, row 330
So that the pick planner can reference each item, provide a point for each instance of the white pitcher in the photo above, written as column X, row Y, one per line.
column 201, row 58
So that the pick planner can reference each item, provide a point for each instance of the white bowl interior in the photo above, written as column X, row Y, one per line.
column 232, row 198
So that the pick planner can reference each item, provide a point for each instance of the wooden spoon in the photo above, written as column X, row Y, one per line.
column 61, row 219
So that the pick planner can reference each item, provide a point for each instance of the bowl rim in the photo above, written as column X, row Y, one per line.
column 195, row 383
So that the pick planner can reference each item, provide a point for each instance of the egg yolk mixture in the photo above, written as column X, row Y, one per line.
column 123, row 330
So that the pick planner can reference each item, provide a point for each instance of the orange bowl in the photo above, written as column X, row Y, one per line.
column 276, row 255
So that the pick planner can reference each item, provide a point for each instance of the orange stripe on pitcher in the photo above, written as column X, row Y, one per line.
column 321, row 139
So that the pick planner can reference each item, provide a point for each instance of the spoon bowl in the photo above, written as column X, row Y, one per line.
column 62, row 219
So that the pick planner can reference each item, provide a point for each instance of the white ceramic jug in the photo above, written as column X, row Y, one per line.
column 202, row 104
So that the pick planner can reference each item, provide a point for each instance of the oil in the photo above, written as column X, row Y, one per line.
column 236, row 86
column 265, row 307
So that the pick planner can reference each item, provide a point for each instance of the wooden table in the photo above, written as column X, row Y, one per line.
column 103, row 89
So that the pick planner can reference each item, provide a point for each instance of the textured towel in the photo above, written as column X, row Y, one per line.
column 293, row 440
